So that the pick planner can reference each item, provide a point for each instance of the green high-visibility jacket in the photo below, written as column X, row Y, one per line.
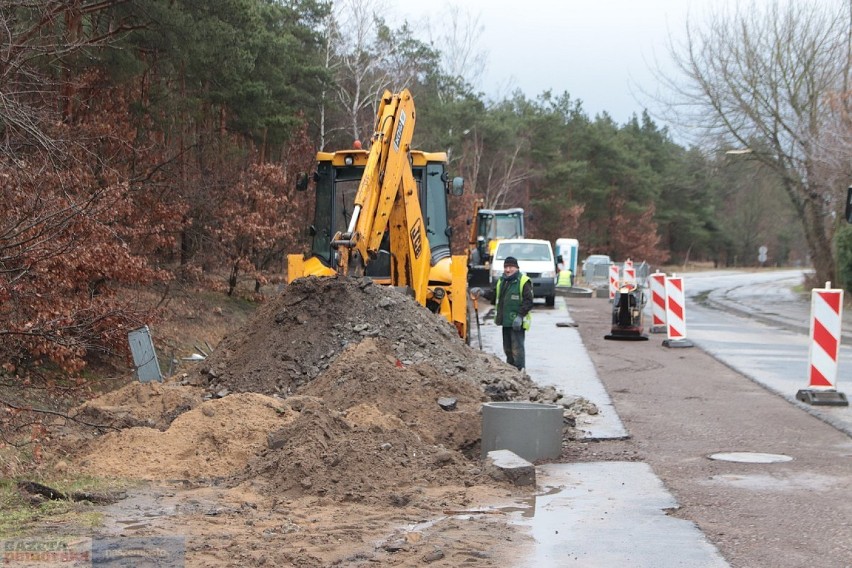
column 515, row 300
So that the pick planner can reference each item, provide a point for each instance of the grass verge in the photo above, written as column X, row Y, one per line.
column 21, row 514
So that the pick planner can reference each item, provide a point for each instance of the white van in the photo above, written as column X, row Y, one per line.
column 535, row 259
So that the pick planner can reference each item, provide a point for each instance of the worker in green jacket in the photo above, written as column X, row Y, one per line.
column 513, row 300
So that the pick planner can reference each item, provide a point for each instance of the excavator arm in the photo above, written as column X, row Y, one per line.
column 387, row 200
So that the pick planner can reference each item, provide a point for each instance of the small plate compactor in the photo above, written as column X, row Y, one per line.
column 627, row 307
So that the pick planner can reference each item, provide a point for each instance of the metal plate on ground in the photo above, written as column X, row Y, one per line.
column 750, row 457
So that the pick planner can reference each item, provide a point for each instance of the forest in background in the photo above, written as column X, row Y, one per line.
column 151, row 142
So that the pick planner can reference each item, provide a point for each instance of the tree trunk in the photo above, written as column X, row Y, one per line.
column 232, row 280
column 185, row 243
column 73, row 27
column 819, row 244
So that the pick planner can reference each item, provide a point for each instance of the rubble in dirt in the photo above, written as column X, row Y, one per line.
column 364, row 375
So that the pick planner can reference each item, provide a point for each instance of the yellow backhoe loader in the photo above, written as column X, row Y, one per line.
column 382, row 213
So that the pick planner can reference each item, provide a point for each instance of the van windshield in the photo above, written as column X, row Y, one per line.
column 523, row 251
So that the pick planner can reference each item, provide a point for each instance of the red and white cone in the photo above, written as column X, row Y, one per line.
column 658, row 302
column 675, row 313
column 826, row 320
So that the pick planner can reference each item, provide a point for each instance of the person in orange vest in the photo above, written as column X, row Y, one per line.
column 513, row 300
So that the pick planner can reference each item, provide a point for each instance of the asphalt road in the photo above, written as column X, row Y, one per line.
column 759, row 324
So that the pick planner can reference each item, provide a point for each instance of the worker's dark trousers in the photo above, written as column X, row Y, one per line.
column 513, row 347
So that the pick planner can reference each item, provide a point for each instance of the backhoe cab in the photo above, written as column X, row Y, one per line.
column 382, row 213
column 490, row 226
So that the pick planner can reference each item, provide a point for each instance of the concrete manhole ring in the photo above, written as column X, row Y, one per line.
column 750, row 457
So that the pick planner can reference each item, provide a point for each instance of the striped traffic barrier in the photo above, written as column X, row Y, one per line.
column 613, row 280
column 675, row 313
column 826, row 319
column 658, row 302
column 629, row 273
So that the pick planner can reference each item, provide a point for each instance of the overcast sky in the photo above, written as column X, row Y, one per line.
column 596, row 50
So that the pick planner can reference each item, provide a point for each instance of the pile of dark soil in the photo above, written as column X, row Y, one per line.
column 300, row 333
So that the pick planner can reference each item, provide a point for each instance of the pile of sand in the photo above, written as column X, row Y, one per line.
column 151, row 405
column 215, row 439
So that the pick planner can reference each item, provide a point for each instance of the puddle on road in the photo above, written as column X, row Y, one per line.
column 156, row 506
column 523, row 507
column 526, row 506
column 142, row 509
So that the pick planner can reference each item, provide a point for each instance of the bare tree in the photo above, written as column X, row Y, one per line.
column 369, row 56
column 506, row 175
column 357, row 67
column 461, row 56
column 331, row 35
column 369, row 60
column 775, row 80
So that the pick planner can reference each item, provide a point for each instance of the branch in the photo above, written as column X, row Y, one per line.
column 59, row 414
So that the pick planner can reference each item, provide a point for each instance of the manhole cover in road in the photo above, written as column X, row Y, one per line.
column 750, row 457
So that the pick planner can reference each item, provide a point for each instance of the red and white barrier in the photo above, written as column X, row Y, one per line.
column 826, row 316
column 658, row 302
column 629, row 273
column 675, row 313
column 613, row 280
column 826, row 320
